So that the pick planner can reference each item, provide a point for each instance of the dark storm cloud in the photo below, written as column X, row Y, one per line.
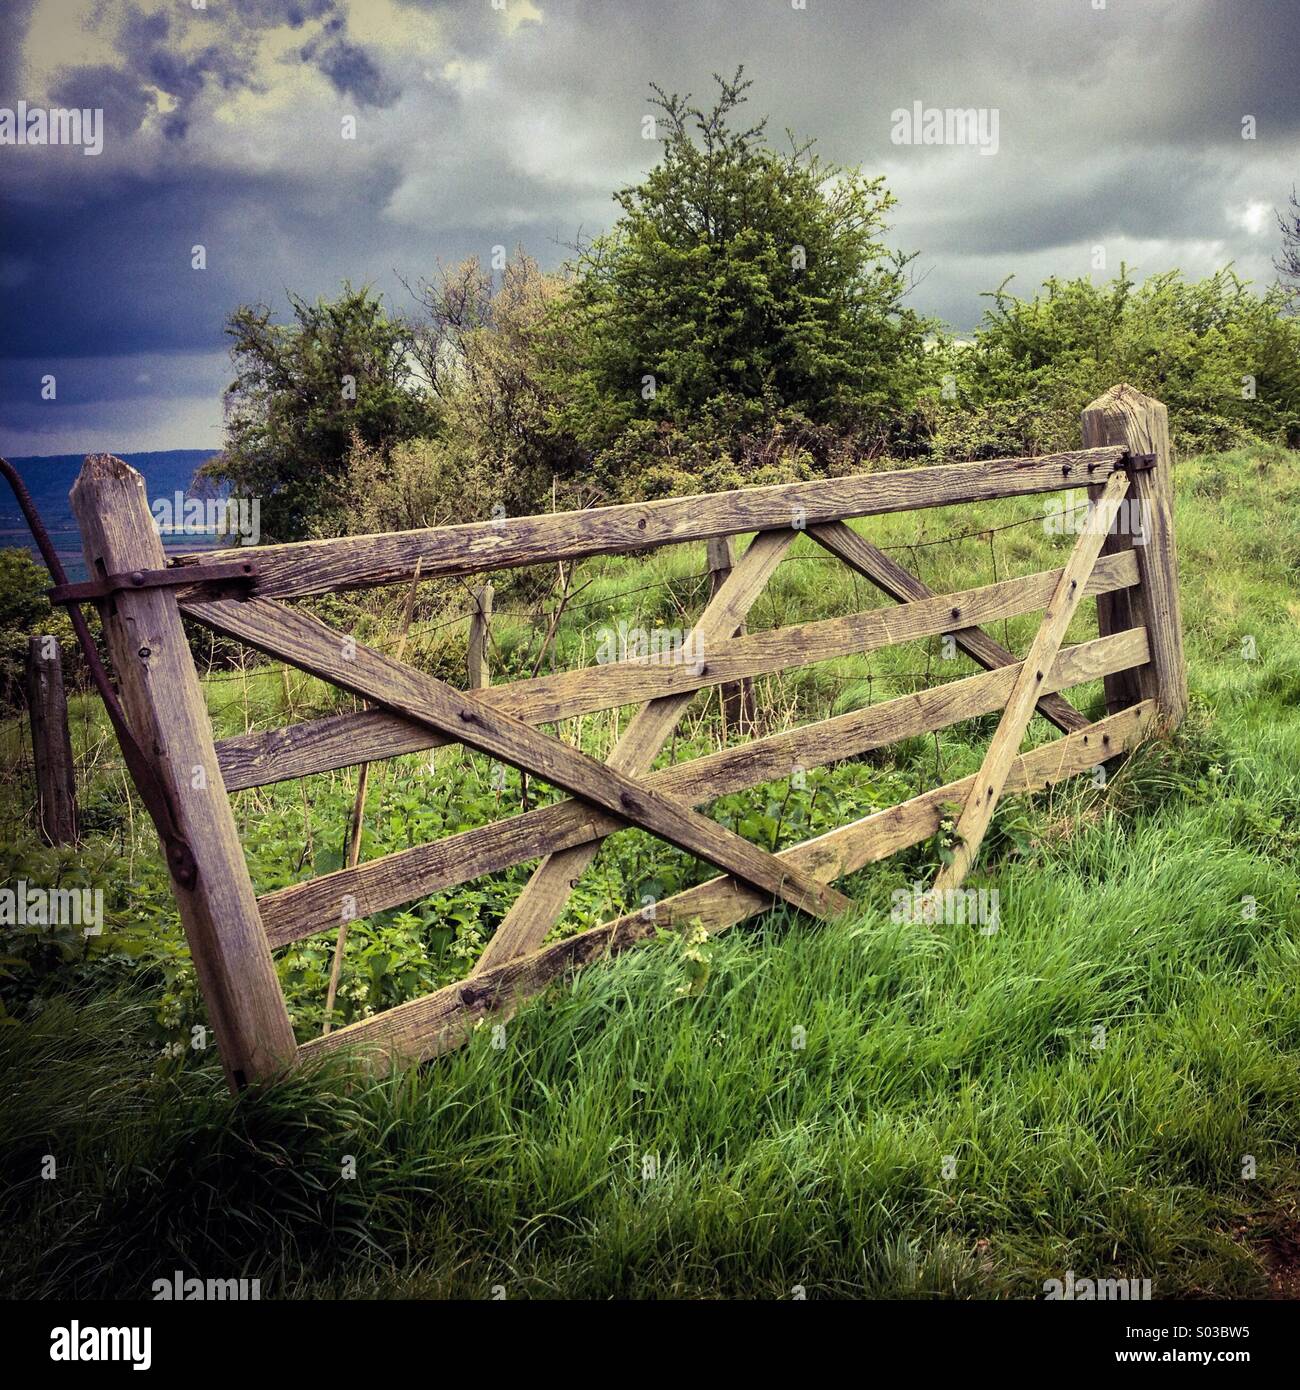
column 1120, row 127
column 153, row 53
column 1106, row 199
column 116, row 275
column 264, row 13
column 148, row 44
column 124, row 98
column 350, row 69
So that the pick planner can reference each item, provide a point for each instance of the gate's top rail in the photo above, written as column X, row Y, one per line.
column 360, row 562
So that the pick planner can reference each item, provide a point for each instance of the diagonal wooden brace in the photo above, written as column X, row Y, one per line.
column 391, row 880
column 1005, row 744
column 544, row 896
column 887, row 575
column 438, row 1022
column 306, row 642
column 342, row 740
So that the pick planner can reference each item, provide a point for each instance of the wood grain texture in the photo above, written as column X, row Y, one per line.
column 342, row 740
column 302, row 640
column 872, row 563
column 1065, row 601
column 358, row 562
column 736, row 700
column 47, row 706
column 478, row 673
column 290, row 914
column 165, row 706
column 441, row 1021
column 538, row 907
column 1125, row 416
column 1114, row 610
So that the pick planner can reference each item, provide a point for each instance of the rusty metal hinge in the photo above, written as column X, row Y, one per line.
column 94, row 590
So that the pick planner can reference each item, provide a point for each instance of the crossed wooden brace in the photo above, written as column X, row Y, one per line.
column 310, row 644
column 543, row 898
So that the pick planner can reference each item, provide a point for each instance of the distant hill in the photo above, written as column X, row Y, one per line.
column 49, row 479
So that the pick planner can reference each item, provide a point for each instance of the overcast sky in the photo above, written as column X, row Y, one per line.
column 486, row 122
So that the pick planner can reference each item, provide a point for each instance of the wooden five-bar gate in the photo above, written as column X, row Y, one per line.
column 232, row 931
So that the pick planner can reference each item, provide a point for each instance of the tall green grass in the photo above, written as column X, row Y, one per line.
column 1109, row 1083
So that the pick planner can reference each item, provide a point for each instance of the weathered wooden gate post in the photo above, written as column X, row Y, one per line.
column 56, row 786
column 1125, row 416
column 165, row 706
column 479, row 673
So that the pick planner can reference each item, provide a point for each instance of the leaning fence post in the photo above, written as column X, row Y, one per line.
column 56, row 785
column 736, row 697
column 480, row 675
column 165, row 705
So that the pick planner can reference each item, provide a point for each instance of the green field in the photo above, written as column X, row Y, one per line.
column 1109, row 1083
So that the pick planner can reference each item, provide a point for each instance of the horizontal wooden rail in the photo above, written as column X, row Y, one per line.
column 359, row 562
column 290, row 914
column 443, row 1020
column 342, row 740
column 888, row 575
column 297, row 637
